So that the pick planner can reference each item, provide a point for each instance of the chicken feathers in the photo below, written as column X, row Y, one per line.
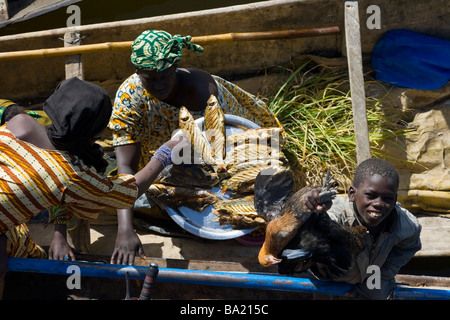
column 272, row 187
column 298, row 239
column 329, row 247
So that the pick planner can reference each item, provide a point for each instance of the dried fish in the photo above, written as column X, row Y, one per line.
column 236, row 168
column 243, row 181
column 250, row 152
column 237, row 206
column 215, row 130
column 200, row 175
column 269, row 136
column 239, row 213
column 175, row 196
column 194, row 134
column 241, row 221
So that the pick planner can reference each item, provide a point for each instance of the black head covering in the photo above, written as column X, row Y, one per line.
column 79, row 111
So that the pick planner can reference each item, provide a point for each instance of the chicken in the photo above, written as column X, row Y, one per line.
column 298, row 239
column 323, row 246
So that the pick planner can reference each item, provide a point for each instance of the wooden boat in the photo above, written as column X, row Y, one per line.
column 262, row 285
column 242, row 59
column 22, row 10
column 31, row 80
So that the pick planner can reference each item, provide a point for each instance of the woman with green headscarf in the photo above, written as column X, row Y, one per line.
column 147, row 105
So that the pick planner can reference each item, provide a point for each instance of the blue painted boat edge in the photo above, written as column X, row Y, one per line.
column 214, row 278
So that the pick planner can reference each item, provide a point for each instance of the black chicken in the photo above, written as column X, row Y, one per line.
column 296, row 238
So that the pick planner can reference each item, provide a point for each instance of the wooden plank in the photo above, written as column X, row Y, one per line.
column 79, row 235
column 142, row 23
column 4, row 16
column 354, row 57
column 435, row 236
column 74, row 63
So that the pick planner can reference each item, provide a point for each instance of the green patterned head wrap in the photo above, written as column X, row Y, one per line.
column 3, row 105
column 159, row 50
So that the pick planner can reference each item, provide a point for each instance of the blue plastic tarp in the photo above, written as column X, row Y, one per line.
column 413, row 60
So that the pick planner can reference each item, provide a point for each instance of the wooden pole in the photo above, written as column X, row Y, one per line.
column 268, row 35
column 4, row 15
column 355, row 68
column 202, row 40
column 74, row 63
column 79, row 236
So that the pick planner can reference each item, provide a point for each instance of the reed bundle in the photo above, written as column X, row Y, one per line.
column 314, row 107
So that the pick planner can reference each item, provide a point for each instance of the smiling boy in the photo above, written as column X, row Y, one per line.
column 393, row 233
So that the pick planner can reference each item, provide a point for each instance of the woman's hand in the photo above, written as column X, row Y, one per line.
column 59, row 248
column 127, row 245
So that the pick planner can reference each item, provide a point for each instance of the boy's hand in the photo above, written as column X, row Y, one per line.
column 314, row 201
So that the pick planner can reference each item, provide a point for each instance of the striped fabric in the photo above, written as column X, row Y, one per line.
column 33, row 179
column 20, row 245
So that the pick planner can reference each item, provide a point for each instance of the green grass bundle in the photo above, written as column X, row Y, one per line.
column 315, row 109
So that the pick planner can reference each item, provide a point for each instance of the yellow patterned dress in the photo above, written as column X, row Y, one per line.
column 139, row 117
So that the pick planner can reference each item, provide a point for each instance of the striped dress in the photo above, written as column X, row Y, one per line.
column 33, row 179
column 20, row 245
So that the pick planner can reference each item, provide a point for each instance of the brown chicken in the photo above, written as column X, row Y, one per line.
column 298, row 239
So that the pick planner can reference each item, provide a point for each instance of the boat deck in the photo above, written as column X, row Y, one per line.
column 186, row 247
column 428, row 269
